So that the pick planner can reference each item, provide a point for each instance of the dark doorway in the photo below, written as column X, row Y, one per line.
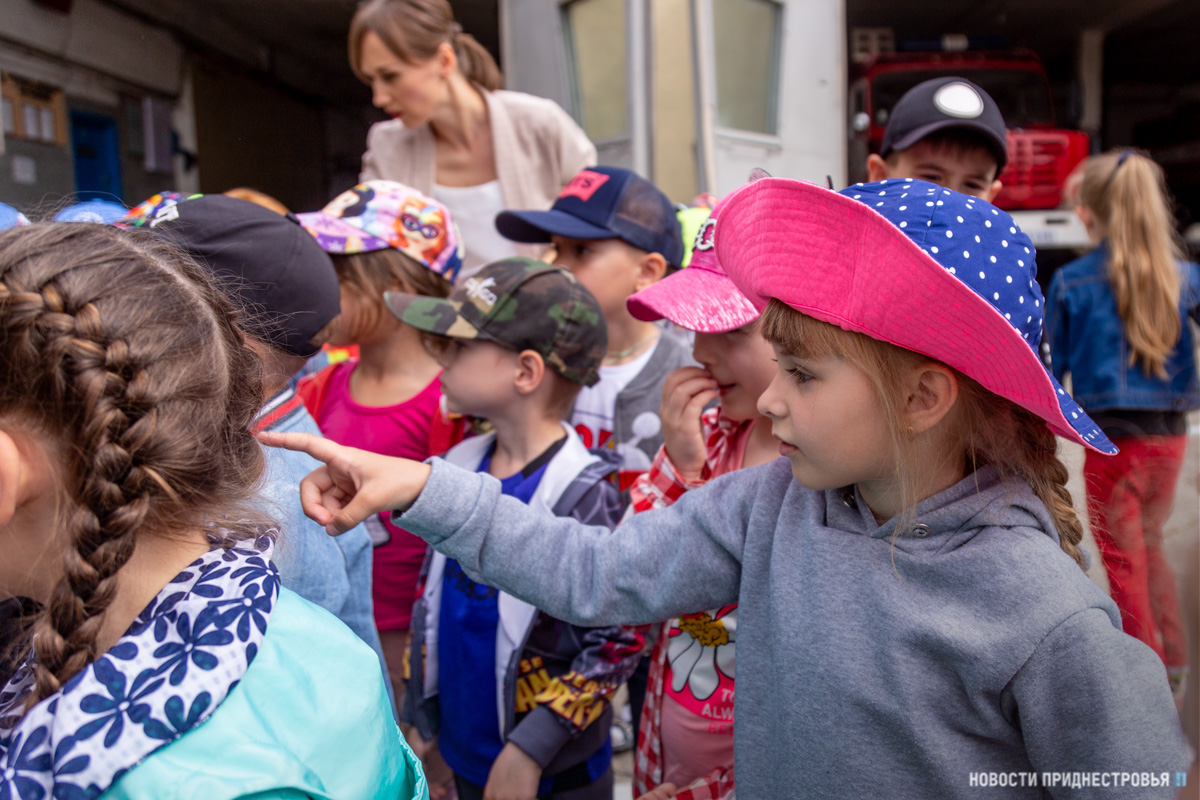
column 97, row 152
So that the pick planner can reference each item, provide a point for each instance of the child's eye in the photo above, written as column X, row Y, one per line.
column 799, row 375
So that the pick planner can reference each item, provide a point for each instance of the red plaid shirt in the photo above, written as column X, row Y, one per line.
column 725, row 446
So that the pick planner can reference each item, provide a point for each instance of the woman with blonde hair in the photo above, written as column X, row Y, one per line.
column 454, row 134
column 1116, row 321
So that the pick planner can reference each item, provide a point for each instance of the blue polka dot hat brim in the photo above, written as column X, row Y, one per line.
column 909, row 263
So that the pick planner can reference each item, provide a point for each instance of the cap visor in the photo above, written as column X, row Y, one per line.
column 430, row 314
column 999, row 148
column 695, row 299
column 338, row 236
column 536, row 227
column 838, row 261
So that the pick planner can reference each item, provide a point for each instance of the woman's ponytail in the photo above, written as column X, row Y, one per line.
column 1126, row 193
column 414, row 29
column 476, row 63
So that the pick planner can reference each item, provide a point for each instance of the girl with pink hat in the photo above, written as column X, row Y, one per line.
column 913, row 617
column 685, row 736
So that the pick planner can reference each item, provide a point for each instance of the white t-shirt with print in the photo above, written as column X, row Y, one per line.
column 595, row 408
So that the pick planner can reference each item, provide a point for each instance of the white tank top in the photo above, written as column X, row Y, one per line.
column 474, row 210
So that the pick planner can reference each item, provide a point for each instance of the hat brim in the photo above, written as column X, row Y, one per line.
column 839, row 261
column 431, row 314
column 536, row 227
column 335, row 235
column 695, row 299
column 998, row 147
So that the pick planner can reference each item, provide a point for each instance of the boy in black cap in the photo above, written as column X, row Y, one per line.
column 946, row 131
column 618, row 234
column 286, row 283
column 519, row 701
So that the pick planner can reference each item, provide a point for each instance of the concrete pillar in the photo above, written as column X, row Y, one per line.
column 1091, row 83
column 183, row 121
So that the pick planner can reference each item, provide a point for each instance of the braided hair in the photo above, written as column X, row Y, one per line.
column 123, row 355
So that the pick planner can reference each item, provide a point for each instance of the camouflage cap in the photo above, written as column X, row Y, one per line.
column 522, row 304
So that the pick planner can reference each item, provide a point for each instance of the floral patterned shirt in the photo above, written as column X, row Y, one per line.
column 170, row 671
column 693, row 661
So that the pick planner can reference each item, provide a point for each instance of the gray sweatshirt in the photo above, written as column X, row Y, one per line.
column 870, row 664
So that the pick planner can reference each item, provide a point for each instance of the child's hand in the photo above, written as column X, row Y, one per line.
column 686, row 392
column 353, row 484
column 514, row 776
column 664, row 792
column 419, row 746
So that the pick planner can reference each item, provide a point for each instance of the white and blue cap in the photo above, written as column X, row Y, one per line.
column 950, row 276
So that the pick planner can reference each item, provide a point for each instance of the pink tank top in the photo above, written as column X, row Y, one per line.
column 400, row 430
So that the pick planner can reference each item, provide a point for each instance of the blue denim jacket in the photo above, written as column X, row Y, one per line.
column 1087, row 339
column 332, row 572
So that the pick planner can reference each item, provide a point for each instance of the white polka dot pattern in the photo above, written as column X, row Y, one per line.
column 1009, row 285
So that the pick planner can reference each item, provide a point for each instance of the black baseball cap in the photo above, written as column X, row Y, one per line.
column 268, row 263
column 939, row 103
column 603, row 203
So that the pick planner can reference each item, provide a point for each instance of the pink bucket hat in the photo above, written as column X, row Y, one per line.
column 910, row 263
column 377, row 215
column 699, row 298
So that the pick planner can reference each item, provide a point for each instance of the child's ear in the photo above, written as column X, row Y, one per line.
column 24, row 474
column 877, row 168
column 531, row 371
column 933, row 391
column 995, row 190
column 651, row 268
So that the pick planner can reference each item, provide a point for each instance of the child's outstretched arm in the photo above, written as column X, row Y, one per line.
column 655, row 566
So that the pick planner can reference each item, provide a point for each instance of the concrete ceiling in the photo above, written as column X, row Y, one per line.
column 1136, row 30
column 300, row 43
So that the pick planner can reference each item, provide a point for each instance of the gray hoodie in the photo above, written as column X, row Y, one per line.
column 871, row 664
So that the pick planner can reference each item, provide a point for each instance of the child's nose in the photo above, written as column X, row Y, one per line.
column 769, row 404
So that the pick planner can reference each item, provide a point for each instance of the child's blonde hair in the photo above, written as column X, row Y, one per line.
column 126, row 357
column 1126, row 192
column 987, row 429
column 369, row 275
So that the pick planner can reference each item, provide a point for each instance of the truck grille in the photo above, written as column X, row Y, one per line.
column 1038, row 164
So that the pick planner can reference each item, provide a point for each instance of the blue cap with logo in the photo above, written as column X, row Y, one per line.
column 603, row 203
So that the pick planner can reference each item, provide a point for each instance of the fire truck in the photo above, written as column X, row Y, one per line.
column 1041, row 155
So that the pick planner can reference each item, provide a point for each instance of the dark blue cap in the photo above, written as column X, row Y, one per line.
column 942, row 103
column 603, row 203
column 268, row 263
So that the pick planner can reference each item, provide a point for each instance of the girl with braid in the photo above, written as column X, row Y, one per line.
column 913, row 618
column 163, row 658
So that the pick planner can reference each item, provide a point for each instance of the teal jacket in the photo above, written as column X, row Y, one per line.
column 309, row 719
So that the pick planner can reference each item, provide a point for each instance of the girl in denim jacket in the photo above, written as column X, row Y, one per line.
column 1116, row 320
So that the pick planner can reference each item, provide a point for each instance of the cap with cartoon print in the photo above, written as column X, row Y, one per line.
column 376, row 215
column 521, row 304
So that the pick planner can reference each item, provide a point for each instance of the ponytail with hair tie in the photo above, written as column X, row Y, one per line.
column 1128, row 198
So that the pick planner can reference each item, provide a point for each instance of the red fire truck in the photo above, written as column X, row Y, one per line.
column 1040, row 154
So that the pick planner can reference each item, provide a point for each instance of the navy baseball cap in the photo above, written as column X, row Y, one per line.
column 603, row 203
column 946, row 103
column 268, row 263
